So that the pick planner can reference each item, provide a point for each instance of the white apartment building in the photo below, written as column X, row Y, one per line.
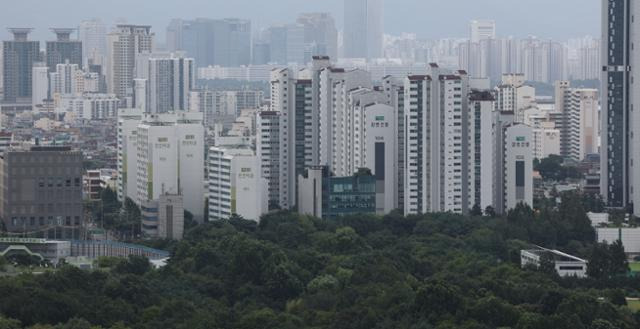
column 437, row 136
column 236, row 185
column 169, row 79
column 123, row 44
column 481, row 106
column 170, row 159
column 513, row 167
column 578, row 109
column 67, row 79
column 334, row 87
column 378, row 142
column 40, row 84
column 88, row 106
column 283, row 140
column 128, row 120
column 223, row 107
column 546, row 140
column 512, row 95
column 269, row 150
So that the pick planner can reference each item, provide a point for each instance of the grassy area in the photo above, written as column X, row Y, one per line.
column 635, row 267
column 634, row 305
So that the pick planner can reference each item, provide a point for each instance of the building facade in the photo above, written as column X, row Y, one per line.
column 123, row 44
column 236, row 185
column 41, row 192
column 363, row 29
column 19, row 56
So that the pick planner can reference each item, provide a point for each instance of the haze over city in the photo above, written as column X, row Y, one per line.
column 428, row 18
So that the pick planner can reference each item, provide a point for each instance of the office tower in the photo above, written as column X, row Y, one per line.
column 578, row 120
column 63, row 49
column 123, row 44
column 40, row 84
column 88, row 106
column 128, row 120
column 169, row 79
column 41, row 192
column 513, row 95
column 167, row 152
column 93, row 35
column 320, row 32
column 287, row 44
column 436, row 143
column 174, row 35
column 236, row 185
column 363, row 28
column 481, row 106
column 513, row 168
column 482, row 29
column 18, row 57
column 261, row 53
column 223, row 42
column 618, row 149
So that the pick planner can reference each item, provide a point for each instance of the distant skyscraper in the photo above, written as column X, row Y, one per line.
column 124, row 43
column 320, row 33
column 620, row 182
column 93, row 35
column 482, row 29
column 63, row 49
column 224, row 42
column 363, row 28
column 287, row 44
column 19, row 55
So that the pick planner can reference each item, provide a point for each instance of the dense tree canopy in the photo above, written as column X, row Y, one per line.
column 291, row 271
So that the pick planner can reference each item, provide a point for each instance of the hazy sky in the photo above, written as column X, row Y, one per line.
column 559, row 19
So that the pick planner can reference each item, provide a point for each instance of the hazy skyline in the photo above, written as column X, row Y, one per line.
column 427, row 18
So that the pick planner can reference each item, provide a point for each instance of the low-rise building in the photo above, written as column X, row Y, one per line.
column 41, row 191
column 629, row 236
column 163, row 218
column 565, row 264
column 323, row 196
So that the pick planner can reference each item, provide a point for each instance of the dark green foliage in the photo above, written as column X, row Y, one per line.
column 607, row 261
column 554, row 169
column 361, row 272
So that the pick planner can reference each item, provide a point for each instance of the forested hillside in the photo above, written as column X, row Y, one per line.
column 361, row 272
